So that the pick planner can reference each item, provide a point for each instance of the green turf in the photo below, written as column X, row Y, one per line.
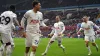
column 74, row 47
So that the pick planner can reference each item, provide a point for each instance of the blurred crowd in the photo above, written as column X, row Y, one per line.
column 70, row 18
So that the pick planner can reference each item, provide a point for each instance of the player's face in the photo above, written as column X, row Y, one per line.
column 38, row 6
column 85, row 19
column 57, row 18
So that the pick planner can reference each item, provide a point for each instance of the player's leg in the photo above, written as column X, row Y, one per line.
column 12, row 42
column 35, row 42
column 2, row 49
column 60, row 43
column 9, row 44
column 27, row 51
column 93, row 42
column 2, row 35
column 87, row 39
column 8, row 49
column 28, row 43
column 48, row 46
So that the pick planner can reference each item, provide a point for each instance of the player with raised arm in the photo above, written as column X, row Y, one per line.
column 57, row 33
column 34, row 20
column 89, row 33
column 7, row 19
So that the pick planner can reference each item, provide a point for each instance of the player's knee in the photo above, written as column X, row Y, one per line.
column 86, row 42
column 86, row 45
column 34, row 48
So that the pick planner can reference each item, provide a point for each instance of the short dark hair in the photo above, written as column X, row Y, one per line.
column 12, row 7
column 35, row 3
column 59, row 16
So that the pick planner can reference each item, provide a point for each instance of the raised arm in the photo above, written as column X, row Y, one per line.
column 97, row 27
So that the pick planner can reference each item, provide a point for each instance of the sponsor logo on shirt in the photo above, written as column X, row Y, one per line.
column 34, row 21
column 56, row 27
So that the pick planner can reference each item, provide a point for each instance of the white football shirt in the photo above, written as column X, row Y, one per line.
column 89, row 25
column 7, row 18
column 58, row 28
column 34, row 21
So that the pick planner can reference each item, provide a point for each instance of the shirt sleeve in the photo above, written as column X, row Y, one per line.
column 15, row 20
column 93, row 24
column 14, row 16
column 26, row 15
column 41, row 20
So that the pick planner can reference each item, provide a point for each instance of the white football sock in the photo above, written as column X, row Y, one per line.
column 96, row 46
column 32, row 54
column 89, row 48
column 62, row 46
column 26, row 54
column 8, row 50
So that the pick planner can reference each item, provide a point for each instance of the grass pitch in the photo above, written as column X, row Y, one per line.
column 74, row 47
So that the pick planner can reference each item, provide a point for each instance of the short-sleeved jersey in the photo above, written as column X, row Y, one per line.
column 7, row 18
column 88, row 25
column 59, row 27
column 33, row 21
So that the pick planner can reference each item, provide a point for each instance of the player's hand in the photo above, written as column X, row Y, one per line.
column 98, row 30
column 95, row 32
column 59, row 34
column 46, row 26
column 24, row 34
column 21, row 28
